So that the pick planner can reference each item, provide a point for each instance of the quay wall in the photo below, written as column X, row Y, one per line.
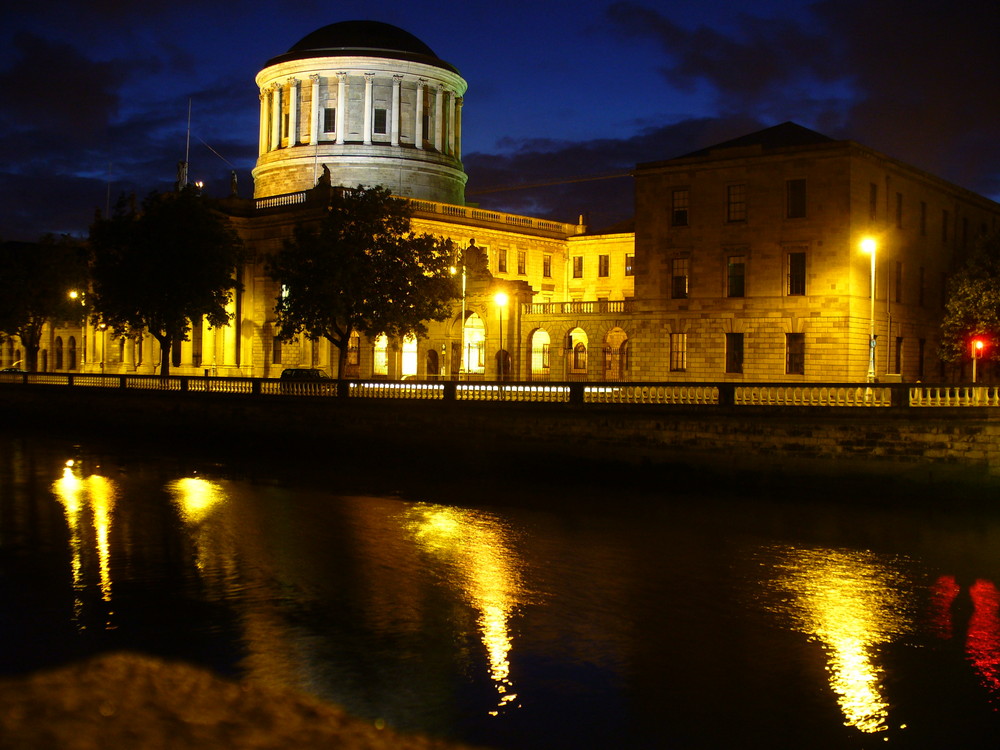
column 678, row 444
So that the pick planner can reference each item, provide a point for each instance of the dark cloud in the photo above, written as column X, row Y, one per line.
column 916, row 78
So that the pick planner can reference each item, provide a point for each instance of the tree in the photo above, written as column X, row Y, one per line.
column 161, row 268
column 35, row 281
column 361, row 270
column 973, row 306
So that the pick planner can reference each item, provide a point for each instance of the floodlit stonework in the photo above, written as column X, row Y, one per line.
column 743, row 262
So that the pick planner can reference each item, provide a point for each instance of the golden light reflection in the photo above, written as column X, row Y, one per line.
column 96, row 494
column 197, row 500
column 478, row 546
column 850, row 603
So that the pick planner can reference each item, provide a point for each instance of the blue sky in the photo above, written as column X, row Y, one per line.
column 96, row 93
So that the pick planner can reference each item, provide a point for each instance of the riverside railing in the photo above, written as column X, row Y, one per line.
column 794, row 395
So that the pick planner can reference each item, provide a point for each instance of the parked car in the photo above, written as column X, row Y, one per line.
column 12, row 369
column 305, row 375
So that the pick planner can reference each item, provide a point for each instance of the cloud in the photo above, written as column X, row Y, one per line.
column 915, row 79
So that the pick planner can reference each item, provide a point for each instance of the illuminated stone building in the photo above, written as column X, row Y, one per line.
column 743, row 262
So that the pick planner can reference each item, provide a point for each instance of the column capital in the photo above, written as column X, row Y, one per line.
column 342, row 74
column 314, row 77
column 369, row 77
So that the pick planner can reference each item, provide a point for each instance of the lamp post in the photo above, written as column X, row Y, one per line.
column 977, row 353
column 868, row 246
column 461, row 331
column 501, row 299
column 104, row 340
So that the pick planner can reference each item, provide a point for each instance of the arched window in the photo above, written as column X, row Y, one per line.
column 433, row 368
column 58, row 344
column 474, row 357
column 409, row 356
column 580, row 357
column 381, row 360
column 615, row 352
column 540, row 344
column 71, row 352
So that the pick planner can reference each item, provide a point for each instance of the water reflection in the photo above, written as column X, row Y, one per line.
column 77, row 495
column 982, row 637
column 480, row 549
column 852, row 602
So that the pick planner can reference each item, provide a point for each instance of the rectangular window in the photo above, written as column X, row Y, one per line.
column 329, row 119
column 678, row 352
column 285, row 125
column 923, row 218
column 276, row 351
column 502, row 260
column 796, row 274
column 734, row 352
column 379, row 123
column 545, row 356
column 629, row 264
column 736, row 203
column 522, row 262
column 795, row 354
column 578, row 267
column 547, row 266
column 795, row 192
column 679, row 278
column 899, row 281
column 899, row 210
column 603, row 265
column 679, row 208
column 872, row 201
column 736, row 276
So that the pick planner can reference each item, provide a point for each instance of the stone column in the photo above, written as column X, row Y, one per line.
column 293, row 111
column 451, row 125
column 418, row 130
column 341, row 106
column 317, row 112
column 275, row 116
column 262, row 146
column 439, row 118
column 459, row 101
column 366, row 131
column 397, row 80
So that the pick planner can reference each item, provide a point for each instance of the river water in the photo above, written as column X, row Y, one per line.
column 562, row 613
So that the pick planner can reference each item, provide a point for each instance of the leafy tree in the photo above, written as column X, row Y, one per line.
column 362, row 269
column 35, row 281
column 158, row 269
column 973, row 307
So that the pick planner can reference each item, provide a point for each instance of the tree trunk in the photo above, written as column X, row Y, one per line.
column 165, row 347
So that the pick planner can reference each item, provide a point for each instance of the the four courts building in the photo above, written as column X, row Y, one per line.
column 744, row 260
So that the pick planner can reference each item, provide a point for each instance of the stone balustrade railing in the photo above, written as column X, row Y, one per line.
column 797, row 395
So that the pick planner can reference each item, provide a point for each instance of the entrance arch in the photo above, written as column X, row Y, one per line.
column 616, row 355
column 540, row 345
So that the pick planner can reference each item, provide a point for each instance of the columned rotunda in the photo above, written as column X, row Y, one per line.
column 369, row 102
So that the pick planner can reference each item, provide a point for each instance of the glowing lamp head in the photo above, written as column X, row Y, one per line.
column 978, row 346
column 868, row 246
column 501, row 299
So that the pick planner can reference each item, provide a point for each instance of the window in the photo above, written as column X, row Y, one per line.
column 734, row 352
column 629, row 264
column 795, row 354
column 899, row 210
column 354, row 350
column 545, row 356
column 796, row 199
column 380, row 120
column 547, row 266
column 796, row 274
column 603, row 265
column 872, row 201
column 329, row 119
column 380, row 359
column 578, row 267
column 899, row 281
column 502, row 260
column 736, row 276
column 522, row 262
column 736, row 203
column 580, row 357
column 679, row 208
column 679, row 279
column 678, row 352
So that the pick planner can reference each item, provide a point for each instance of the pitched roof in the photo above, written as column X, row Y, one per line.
column 785, row 135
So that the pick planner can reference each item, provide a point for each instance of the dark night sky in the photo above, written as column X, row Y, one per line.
column 95, row 94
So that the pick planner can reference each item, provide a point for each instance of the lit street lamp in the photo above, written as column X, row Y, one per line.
column 868, row 246
column 501, row 299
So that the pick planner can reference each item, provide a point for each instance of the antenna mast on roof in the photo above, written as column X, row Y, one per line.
column 182, row 168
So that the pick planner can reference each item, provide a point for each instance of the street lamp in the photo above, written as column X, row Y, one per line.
column 868, row 246
column 977, row 353
column 501, row 299
column 461, row 330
